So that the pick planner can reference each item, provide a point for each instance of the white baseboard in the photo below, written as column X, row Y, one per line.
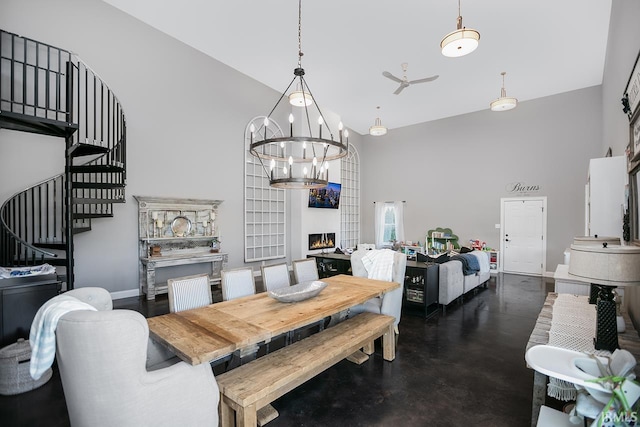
column 125, row 294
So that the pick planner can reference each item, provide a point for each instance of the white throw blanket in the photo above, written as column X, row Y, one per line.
column 42, row 336
column 379, row 264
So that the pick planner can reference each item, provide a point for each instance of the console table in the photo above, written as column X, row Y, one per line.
column 332, row 264
column 628, row 340
column 175, row 232
column 148, row 267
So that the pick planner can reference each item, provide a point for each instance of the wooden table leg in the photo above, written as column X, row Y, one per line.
column 227, row 415
column 369, row 348
column 247, row 416
column 539, row 388
column 389, row 344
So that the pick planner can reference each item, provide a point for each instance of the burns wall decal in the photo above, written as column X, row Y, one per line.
column 521, row 188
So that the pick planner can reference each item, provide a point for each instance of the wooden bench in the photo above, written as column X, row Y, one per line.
column 250, row 387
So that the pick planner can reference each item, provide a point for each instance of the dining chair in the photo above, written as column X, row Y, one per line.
column 237, row 282
column 391, row 302
column 101, row 359
column 275, row 276
column 189, row 292
column 305, row 270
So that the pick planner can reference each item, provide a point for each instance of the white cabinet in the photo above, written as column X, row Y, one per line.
column 605, row 196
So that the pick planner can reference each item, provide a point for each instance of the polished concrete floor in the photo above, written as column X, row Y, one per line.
column 465, row 368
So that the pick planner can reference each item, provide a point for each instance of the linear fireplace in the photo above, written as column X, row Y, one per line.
column 322, row 240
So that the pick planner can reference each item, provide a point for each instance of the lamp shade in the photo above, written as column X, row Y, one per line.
column 504, row 104
column 612, row 265
column 377, row 129
column 299, row 98
column 596, row 240
column 460, row 42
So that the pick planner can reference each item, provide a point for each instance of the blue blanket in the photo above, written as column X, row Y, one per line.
column 470, row 264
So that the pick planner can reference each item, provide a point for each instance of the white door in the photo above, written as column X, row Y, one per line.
column 524, row 240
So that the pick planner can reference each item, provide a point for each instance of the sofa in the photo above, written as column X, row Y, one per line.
column 454, row 282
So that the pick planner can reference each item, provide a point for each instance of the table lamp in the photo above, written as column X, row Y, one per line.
column 595, row 240
column 606, row 267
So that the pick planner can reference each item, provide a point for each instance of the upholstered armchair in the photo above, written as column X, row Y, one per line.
column 391, row 302
column 102, row 358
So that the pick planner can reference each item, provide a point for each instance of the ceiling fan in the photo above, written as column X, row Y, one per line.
column 404, row 82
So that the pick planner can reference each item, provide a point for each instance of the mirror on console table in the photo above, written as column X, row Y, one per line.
column 173, row 232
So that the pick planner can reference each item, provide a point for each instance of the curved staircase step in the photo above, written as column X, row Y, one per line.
column 82, row 149
column 96, row 169
column 34, row 124
column 98, row 185
column 96, row 201
column 92, row 215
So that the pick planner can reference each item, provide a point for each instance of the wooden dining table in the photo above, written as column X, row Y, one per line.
column 209, row 333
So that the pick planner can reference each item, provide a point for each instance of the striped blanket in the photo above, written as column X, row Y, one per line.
column 379, row 264
column 42, row 336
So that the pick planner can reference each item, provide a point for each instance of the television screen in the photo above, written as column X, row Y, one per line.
column 325, row 197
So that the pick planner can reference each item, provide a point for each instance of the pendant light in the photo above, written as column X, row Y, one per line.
column 503, row 103
column 377, row 129
column 299, row 160
column 460, row 42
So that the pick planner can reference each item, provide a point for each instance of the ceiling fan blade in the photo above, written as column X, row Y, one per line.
column 426, row 79
column 391, row 76
column 400, row 88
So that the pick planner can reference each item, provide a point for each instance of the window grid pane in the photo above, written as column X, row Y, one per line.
column 264, row 208
column 350, row 199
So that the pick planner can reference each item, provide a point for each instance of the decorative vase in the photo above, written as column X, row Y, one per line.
column 215, row 245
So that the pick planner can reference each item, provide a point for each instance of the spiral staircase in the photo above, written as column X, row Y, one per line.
column 50, row 91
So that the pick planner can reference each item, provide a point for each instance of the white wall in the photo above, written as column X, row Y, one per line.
column 453, row 172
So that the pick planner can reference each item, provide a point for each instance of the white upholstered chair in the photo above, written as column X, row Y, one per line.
column 275, row 276
column 100, row 298
column 237, row 282
column 189, row 292
column 391, row 302
column 102, row 357
column 305, row 270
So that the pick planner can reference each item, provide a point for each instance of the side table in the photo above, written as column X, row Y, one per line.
column 628, row 340
column 421, row 287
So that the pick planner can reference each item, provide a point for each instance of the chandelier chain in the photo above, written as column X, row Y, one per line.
column 300, row 34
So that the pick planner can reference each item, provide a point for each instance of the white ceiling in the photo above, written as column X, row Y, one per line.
column 348, row 44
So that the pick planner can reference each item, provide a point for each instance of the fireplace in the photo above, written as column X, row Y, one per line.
column 322, row 241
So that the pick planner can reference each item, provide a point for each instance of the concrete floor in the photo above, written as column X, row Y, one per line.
column 465, row 368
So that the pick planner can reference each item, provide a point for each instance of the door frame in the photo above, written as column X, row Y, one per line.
column 544, row 227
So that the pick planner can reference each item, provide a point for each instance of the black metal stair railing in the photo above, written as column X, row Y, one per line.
column 50, row 91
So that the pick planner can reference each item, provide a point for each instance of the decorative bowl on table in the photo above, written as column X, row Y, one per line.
column 299, row 292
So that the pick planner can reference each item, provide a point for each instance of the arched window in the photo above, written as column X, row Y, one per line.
column 264, row 206
column 350, row 199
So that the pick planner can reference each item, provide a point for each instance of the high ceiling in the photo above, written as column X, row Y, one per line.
column 545, row 46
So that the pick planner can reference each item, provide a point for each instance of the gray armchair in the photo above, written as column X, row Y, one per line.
column 102, row 357
column 391, row 302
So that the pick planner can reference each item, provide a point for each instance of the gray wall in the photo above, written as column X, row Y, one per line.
column 622, row 49
column 453, row 172
column 185, row 114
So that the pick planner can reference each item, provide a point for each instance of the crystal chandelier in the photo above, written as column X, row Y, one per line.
column 299, row 160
